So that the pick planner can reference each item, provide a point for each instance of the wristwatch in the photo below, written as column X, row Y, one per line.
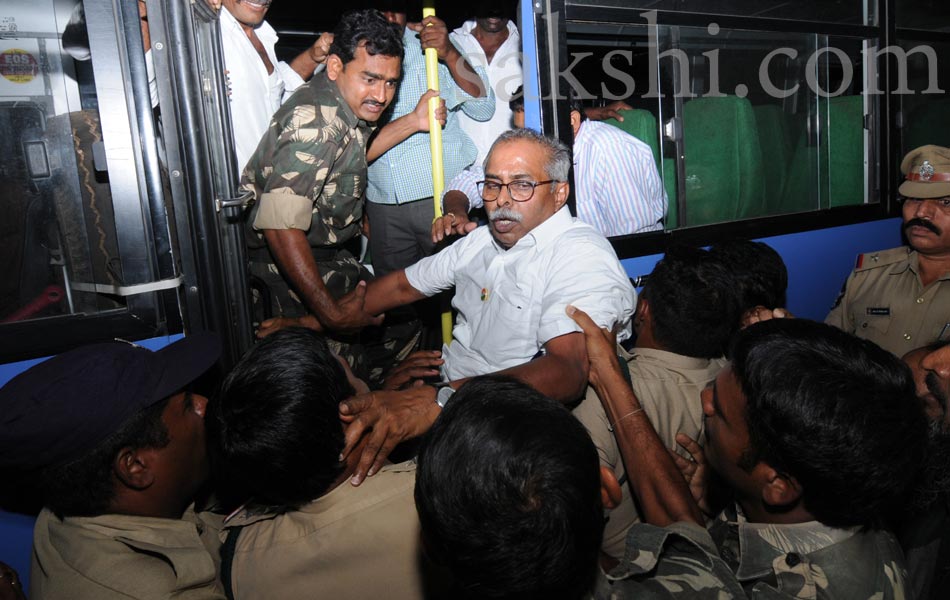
column 443, row 394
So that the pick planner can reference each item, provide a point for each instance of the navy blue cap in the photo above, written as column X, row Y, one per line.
column 66, row 406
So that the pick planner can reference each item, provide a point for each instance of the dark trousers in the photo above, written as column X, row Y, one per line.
column 399, row 234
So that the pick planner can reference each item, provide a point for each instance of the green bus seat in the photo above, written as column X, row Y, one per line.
column 724, row 167
column 776, row 142
column 836, row 164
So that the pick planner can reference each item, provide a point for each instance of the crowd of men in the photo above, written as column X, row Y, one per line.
column 574, row 440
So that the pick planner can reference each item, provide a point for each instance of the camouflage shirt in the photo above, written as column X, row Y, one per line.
column 810, row 560
column 679, row 561
column 309, row 170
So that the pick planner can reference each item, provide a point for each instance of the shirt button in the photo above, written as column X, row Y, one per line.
column 920, row 300
column 907, row 336
column 864, row 325
column 792, row 559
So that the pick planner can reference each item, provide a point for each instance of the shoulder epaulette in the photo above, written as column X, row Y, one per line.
column 881, row 258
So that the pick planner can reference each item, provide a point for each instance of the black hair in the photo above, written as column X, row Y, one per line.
column 758, row 269
column 576, row 105
column 507, row 490
column 837, row 413
column 369, row 28
column 274, row 431
column 516, row 104
column 692, row 302
column 85, row 487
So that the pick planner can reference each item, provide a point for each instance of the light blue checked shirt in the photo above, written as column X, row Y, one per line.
column 404, row 172
column 619, row 190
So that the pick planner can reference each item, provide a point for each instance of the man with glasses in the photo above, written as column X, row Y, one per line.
column 513, row 279
column 900, row 298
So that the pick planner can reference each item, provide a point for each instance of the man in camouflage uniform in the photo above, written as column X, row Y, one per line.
column 802, row 428
column 308, row 176
column 900, row 298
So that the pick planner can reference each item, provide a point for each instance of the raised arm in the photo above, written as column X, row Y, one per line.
column 399, row 129
column 305, row 62
column 660, row 488
column 433, row 33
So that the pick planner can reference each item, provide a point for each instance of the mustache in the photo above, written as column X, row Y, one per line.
column 922, row 223
column 506, row 214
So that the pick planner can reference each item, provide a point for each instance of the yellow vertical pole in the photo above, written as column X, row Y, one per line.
column 435, row 147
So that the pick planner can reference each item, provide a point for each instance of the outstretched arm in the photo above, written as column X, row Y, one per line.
column 660, row 488
column 291, row 252
column 389, row 291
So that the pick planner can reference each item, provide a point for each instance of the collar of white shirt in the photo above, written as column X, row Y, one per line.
column 265, row 33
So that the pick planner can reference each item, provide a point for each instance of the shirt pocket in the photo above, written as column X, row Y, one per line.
column 512, row 324
column 872, row 319
column 341, row 203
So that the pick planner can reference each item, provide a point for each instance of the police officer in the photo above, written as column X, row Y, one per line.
column 900, row 298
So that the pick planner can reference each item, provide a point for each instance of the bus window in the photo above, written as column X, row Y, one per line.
column 57, row 237
column 743, row 123
column 925, row 114
column 927, row 15
column 851, row 12
column 118, row 177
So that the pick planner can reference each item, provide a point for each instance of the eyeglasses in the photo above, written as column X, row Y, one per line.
column 519, row 191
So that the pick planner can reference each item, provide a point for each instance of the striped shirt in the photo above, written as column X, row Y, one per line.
column 404, row 172
column 619, row 190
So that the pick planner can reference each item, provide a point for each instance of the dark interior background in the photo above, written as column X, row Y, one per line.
column 298, row 21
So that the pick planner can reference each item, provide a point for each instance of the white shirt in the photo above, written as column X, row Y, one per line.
column 255, row 94
column 510, row 303
column 504, row 75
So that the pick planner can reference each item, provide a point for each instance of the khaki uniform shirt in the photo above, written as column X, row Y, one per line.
column 668, row 387
column 354, row 542
column 119, row 556
column 309, row 171
column 811, row 560
column 679, row 561
column 884, row 301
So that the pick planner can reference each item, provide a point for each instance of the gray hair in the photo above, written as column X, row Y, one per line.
column 559, row 156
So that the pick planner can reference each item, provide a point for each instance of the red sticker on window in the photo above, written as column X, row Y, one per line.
column 18, row 66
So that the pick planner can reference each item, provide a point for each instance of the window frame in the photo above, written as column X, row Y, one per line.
column 554, row 113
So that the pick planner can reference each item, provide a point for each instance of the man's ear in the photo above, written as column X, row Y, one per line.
column 131, row 468
column 778, row 489
column 334, row 67
column 643, row 310
column 575, row 122
column 560, row 194
column 610, row 492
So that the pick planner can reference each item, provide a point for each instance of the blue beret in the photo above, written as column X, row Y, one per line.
column 66, row 406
